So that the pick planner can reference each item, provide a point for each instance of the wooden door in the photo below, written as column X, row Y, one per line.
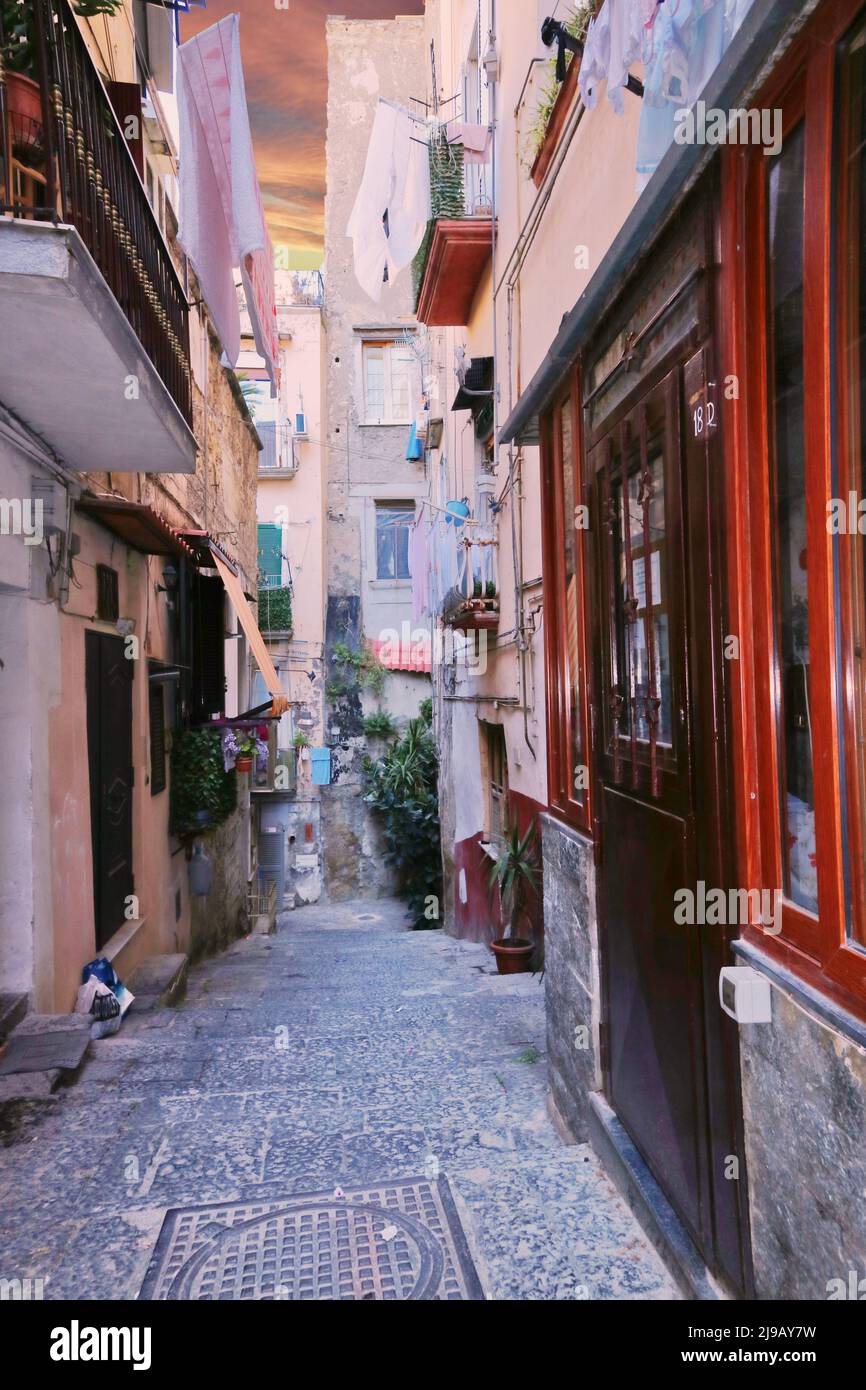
column 671, row 1058
column 108, row 680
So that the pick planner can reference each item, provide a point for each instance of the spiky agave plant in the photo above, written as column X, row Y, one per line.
column 515, row 874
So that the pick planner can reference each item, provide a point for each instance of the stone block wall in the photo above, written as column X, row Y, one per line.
column 571, row 973
column 804, row 1111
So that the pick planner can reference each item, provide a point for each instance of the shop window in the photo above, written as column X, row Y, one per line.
column 850, row 200
column 802, row 562
column 394, row 522
column 565, row 529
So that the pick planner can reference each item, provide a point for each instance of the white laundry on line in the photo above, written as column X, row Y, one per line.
column 222, row 222
column 395, row 184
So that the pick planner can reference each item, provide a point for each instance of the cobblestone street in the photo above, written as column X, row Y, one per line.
column 342, row 1056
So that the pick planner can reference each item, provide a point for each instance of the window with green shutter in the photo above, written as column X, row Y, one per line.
column 270, row 557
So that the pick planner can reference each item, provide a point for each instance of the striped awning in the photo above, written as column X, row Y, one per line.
column 234, row 589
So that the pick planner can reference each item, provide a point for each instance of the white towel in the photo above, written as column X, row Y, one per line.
column 222, row 223
column 396, row 181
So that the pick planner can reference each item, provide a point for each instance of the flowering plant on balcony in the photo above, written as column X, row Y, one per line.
column 241, row 747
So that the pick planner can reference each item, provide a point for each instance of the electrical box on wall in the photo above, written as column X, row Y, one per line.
column 744, row 994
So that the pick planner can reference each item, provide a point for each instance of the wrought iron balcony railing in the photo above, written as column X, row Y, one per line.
column 64, row 159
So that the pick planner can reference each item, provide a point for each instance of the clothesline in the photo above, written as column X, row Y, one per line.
column 452, row 516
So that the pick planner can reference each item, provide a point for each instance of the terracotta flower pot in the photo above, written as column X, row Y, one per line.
column 513, row 955
column 24, row 103
column 244, row 763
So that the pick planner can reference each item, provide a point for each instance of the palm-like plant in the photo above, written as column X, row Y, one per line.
column 515, row 874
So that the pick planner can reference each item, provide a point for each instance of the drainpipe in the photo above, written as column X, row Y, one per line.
column 516, row 498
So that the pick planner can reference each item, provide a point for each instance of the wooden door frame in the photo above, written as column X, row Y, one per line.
column 94, row 639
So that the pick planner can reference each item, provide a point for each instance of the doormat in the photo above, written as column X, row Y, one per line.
column 400, row 1239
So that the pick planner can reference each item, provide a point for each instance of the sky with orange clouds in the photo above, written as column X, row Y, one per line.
column 285, row 76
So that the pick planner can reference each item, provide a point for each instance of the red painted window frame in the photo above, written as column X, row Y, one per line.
column 817, row 950
column 561, row 800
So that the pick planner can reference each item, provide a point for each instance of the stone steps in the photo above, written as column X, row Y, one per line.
column 13, row 1008
column 160, row 981
column 44, row 1051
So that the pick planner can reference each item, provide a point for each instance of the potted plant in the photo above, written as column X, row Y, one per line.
column 241, row 747
column 515, row 873
column 23, row 98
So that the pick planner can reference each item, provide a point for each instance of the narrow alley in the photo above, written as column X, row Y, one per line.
column 341, row 1065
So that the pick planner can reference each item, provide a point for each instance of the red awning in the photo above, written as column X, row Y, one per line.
column 137, row 524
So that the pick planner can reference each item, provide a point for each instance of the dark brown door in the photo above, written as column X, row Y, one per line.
column 108, row 677
column 670, row 1063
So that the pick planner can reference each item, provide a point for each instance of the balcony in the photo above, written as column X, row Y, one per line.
column 95, row 348
column 468, row 554
column 459, row 241
column 278, row 458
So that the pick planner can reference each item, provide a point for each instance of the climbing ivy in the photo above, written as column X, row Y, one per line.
column 199, row 782
column 275, row 610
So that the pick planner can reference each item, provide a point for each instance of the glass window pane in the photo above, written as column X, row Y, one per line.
column 400, row 367
column 572, row 607
column 851, row 311
column 374, row 380
column 791, row 593
column 384, row 545
column 640, row 681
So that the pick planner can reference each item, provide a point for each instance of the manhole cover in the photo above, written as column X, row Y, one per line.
column 398, row 1240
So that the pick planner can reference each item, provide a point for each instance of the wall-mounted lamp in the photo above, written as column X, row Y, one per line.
column 169, row 575
column 490, row 61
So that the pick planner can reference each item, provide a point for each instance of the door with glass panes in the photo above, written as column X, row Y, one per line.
column 670, row 1063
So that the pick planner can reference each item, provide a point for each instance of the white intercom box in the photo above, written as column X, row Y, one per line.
column 745, row 994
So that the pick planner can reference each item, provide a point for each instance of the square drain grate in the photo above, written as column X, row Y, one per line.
column 400, row 1239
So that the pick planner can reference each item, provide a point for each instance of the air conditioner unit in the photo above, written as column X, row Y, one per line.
column 301, row 424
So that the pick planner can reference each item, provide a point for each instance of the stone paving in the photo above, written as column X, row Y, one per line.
column 343, row 1052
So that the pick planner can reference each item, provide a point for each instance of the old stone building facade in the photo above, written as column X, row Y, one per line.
column 371, row 486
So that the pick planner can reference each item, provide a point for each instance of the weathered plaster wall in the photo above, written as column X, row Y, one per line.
column 365, row 463
column 804, row 1108
column 571, row 975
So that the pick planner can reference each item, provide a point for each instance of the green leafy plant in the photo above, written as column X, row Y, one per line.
column 358, row 670
column 402, row 787
column 515, row 874
column 275, row 610
column 203, row 794
column 17, row 20
column 576, row 24
column 379, row 725
column 300, row 739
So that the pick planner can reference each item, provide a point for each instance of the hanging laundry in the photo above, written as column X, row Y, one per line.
column 419, row 567
column 477, row 142
column 222, row 221
column 613, row 42
column 392, row 207
column 683, row 48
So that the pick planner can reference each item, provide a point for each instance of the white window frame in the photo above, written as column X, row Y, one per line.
column 388, row 346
